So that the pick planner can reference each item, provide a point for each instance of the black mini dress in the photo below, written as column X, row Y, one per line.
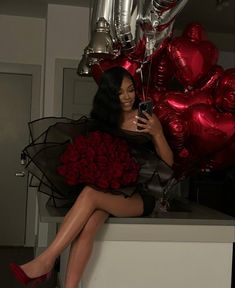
column 50, row 137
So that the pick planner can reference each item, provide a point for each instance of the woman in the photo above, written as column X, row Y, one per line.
column 114, row 110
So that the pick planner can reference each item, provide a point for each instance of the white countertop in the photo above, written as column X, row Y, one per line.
column 202, row 224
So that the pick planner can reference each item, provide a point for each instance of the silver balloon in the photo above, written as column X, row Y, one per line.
column 103, row 9
column 101, row 41
column 125, row 22
column 156, row 19
column 159, row 12
column 83, row 66
column 166, row 16
column 101, row 44
column 118, row 25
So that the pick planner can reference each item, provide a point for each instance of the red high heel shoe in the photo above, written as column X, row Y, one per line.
column 22, row 278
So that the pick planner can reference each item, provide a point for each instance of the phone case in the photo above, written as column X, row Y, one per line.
column 146, row 106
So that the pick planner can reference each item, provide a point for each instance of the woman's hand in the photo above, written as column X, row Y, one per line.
column 150, row 124
column 153, row 126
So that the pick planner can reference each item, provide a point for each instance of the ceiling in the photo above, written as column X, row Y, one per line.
column 204, row 12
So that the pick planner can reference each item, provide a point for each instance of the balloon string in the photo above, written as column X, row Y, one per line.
column 142, row 81
column 148, row 80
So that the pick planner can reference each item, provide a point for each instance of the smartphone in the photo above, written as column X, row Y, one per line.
column 146, row 106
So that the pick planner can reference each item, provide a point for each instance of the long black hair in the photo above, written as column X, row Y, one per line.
column 107, row 109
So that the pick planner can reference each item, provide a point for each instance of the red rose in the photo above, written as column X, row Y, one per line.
column 101, row 150
column 115, row 184
column 82, row 164
column 90, row 153
column 103, row 183
column 80, row 143
column 99, row 159
column 117, row 169
column 95, row 138
column 70, row 154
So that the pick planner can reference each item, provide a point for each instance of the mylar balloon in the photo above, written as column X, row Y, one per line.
column 98, row 68
column 192, row 61
column 174, row 124
column 161, row 71
column 195, row 32
column 209, row 129
column 225, row 92
column 210, row 81
column 180, row 101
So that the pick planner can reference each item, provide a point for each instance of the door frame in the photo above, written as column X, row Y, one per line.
column 60, row 65
column 36, row 112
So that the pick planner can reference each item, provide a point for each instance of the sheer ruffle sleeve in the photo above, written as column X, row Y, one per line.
column 49, row 139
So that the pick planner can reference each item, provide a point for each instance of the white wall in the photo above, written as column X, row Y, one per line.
column 224, row 42
column 227, row 59
column 63, row 35
column 66, row 38
column 22, row 39
column 23, row 42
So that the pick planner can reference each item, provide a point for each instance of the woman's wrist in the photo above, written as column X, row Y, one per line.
column 158, row 136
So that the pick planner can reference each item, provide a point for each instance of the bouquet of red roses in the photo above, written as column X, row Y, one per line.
column 98, row 159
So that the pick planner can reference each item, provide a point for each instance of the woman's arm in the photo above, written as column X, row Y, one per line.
column 162, row 147
column 153, row 126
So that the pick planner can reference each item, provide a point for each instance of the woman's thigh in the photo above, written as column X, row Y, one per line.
column 117, row 205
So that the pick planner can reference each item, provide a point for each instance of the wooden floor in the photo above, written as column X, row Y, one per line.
column 18, row 255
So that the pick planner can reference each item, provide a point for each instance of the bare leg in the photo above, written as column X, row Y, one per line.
column 81, row 248
column 88, row 201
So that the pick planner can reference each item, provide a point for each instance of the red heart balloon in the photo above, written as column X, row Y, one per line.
column 211, row 80
column 209, row 130
column 97, row 69
column 174, row 126
column 180, row 101
column 210, row 53
column 161, row 71
column 154, row 94
column 225, row 92
column 192, row 61
column 195, row 32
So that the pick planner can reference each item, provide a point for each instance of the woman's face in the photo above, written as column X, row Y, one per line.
column 127, row 94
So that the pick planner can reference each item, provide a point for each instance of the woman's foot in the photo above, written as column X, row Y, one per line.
column 36, row 268
column 23, row 278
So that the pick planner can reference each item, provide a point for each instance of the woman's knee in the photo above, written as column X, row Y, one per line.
column 88, row 196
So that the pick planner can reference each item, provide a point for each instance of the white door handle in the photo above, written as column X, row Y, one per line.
column 20, row 174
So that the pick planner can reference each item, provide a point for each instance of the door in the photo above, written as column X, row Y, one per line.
column 15, row 95
column 78, row 93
